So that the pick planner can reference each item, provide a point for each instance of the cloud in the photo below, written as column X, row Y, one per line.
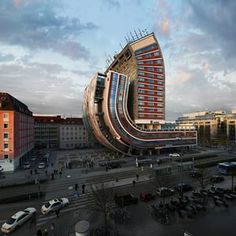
column 164, row 26
column 6, row 57
column 39, row 24
column 45, row 88
column 217, row 19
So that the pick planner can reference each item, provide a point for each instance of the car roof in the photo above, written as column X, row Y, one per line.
column 53, row 201
column 18, row 214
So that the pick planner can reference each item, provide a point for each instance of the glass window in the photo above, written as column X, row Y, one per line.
column 140, row 73
column 140, row 62
column 5, row 145
column 5, row 135
column 141, row 85
column 5, row 115
column 5, row 156
column 151, row 92
column 5, row 126
column 148, row 56
column 156, row 53
column 151, row 86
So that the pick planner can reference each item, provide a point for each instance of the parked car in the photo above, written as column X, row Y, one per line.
column 53, row 205
column 125, row 200
column 165, row 192
column 183, row 187
column 174, row 155
column 26, row 165
column 146, row 196
column 195, row 174
column 216, row 178
column 18, row 219
column 41, row 165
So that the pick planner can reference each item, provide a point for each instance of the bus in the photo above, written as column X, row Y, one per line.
column 226, row 167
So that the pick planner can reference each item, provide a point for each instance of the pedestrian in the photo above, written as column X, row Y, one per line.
column 134, row 183
column 52, row 176
column 60, row 173
column 83, row 188
column 46, row 172
column 76, row 187
column 137, row 177
column 31, row 172
column 57, row 213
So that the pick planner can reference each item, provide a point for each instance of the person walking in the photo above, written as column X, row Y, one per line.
column 137, row 177
column 76, row 187
column 134, row 183
column 83, row 188
column 57, row 213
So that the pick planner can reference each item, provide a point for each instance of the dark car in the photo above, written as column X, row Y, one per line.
column 183, row 187
column 216, row 179
column 125, row 200
column 165, row 192
column 195, row 174
column 113, row 165
column 146, row 197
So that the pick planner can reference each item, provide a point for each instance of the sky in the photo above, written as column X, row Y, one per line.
column 50, row 49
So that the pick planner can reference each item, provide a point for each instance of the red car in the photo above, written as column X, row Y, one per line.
column 145, row 196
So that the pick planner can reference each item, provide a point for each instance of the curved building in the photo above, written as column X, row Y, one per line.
column 125, row 106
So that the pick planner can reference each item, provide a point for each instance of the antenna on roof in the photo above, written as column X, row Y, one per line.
column 140, row 33
column 126, row 39
column 146, row 31
column 137, row 37
column 121, row 46
column 110, row 58
column 132, row 36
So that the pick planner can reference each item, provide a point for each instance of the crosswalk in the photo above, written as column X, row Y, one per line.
column 85, row 201
column 65, row 185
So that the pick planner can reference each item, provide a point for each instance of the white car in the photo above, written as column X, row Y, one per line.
column 18, row 219
column 41, row 165
column 174, row 155
column 26, row 165
column 54, row 205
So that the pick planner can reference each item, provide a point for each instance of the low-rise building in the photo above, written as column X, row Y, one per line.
column 17, row 132
column 214, row 127
column 54, row 132
column 46, row 131
column 73, row 134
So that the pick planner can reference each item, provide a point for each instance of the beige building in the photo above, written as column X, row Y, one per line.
column 214, row 127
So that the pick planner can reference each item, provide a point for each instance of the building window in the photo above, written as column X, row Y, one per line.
column 5, row 125
column 5, row 115
column 151, row 92
column 5, row 156
column 156, row 53
column 151, row 86
column 5, row 145
column 5, row 135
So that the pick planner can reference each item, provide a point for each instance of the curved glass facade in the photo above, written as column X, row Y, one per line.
column 125, row 107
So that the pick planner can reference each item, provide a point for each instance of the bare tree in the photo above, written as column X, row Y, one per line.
column 202, row 178
column 103, row 197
